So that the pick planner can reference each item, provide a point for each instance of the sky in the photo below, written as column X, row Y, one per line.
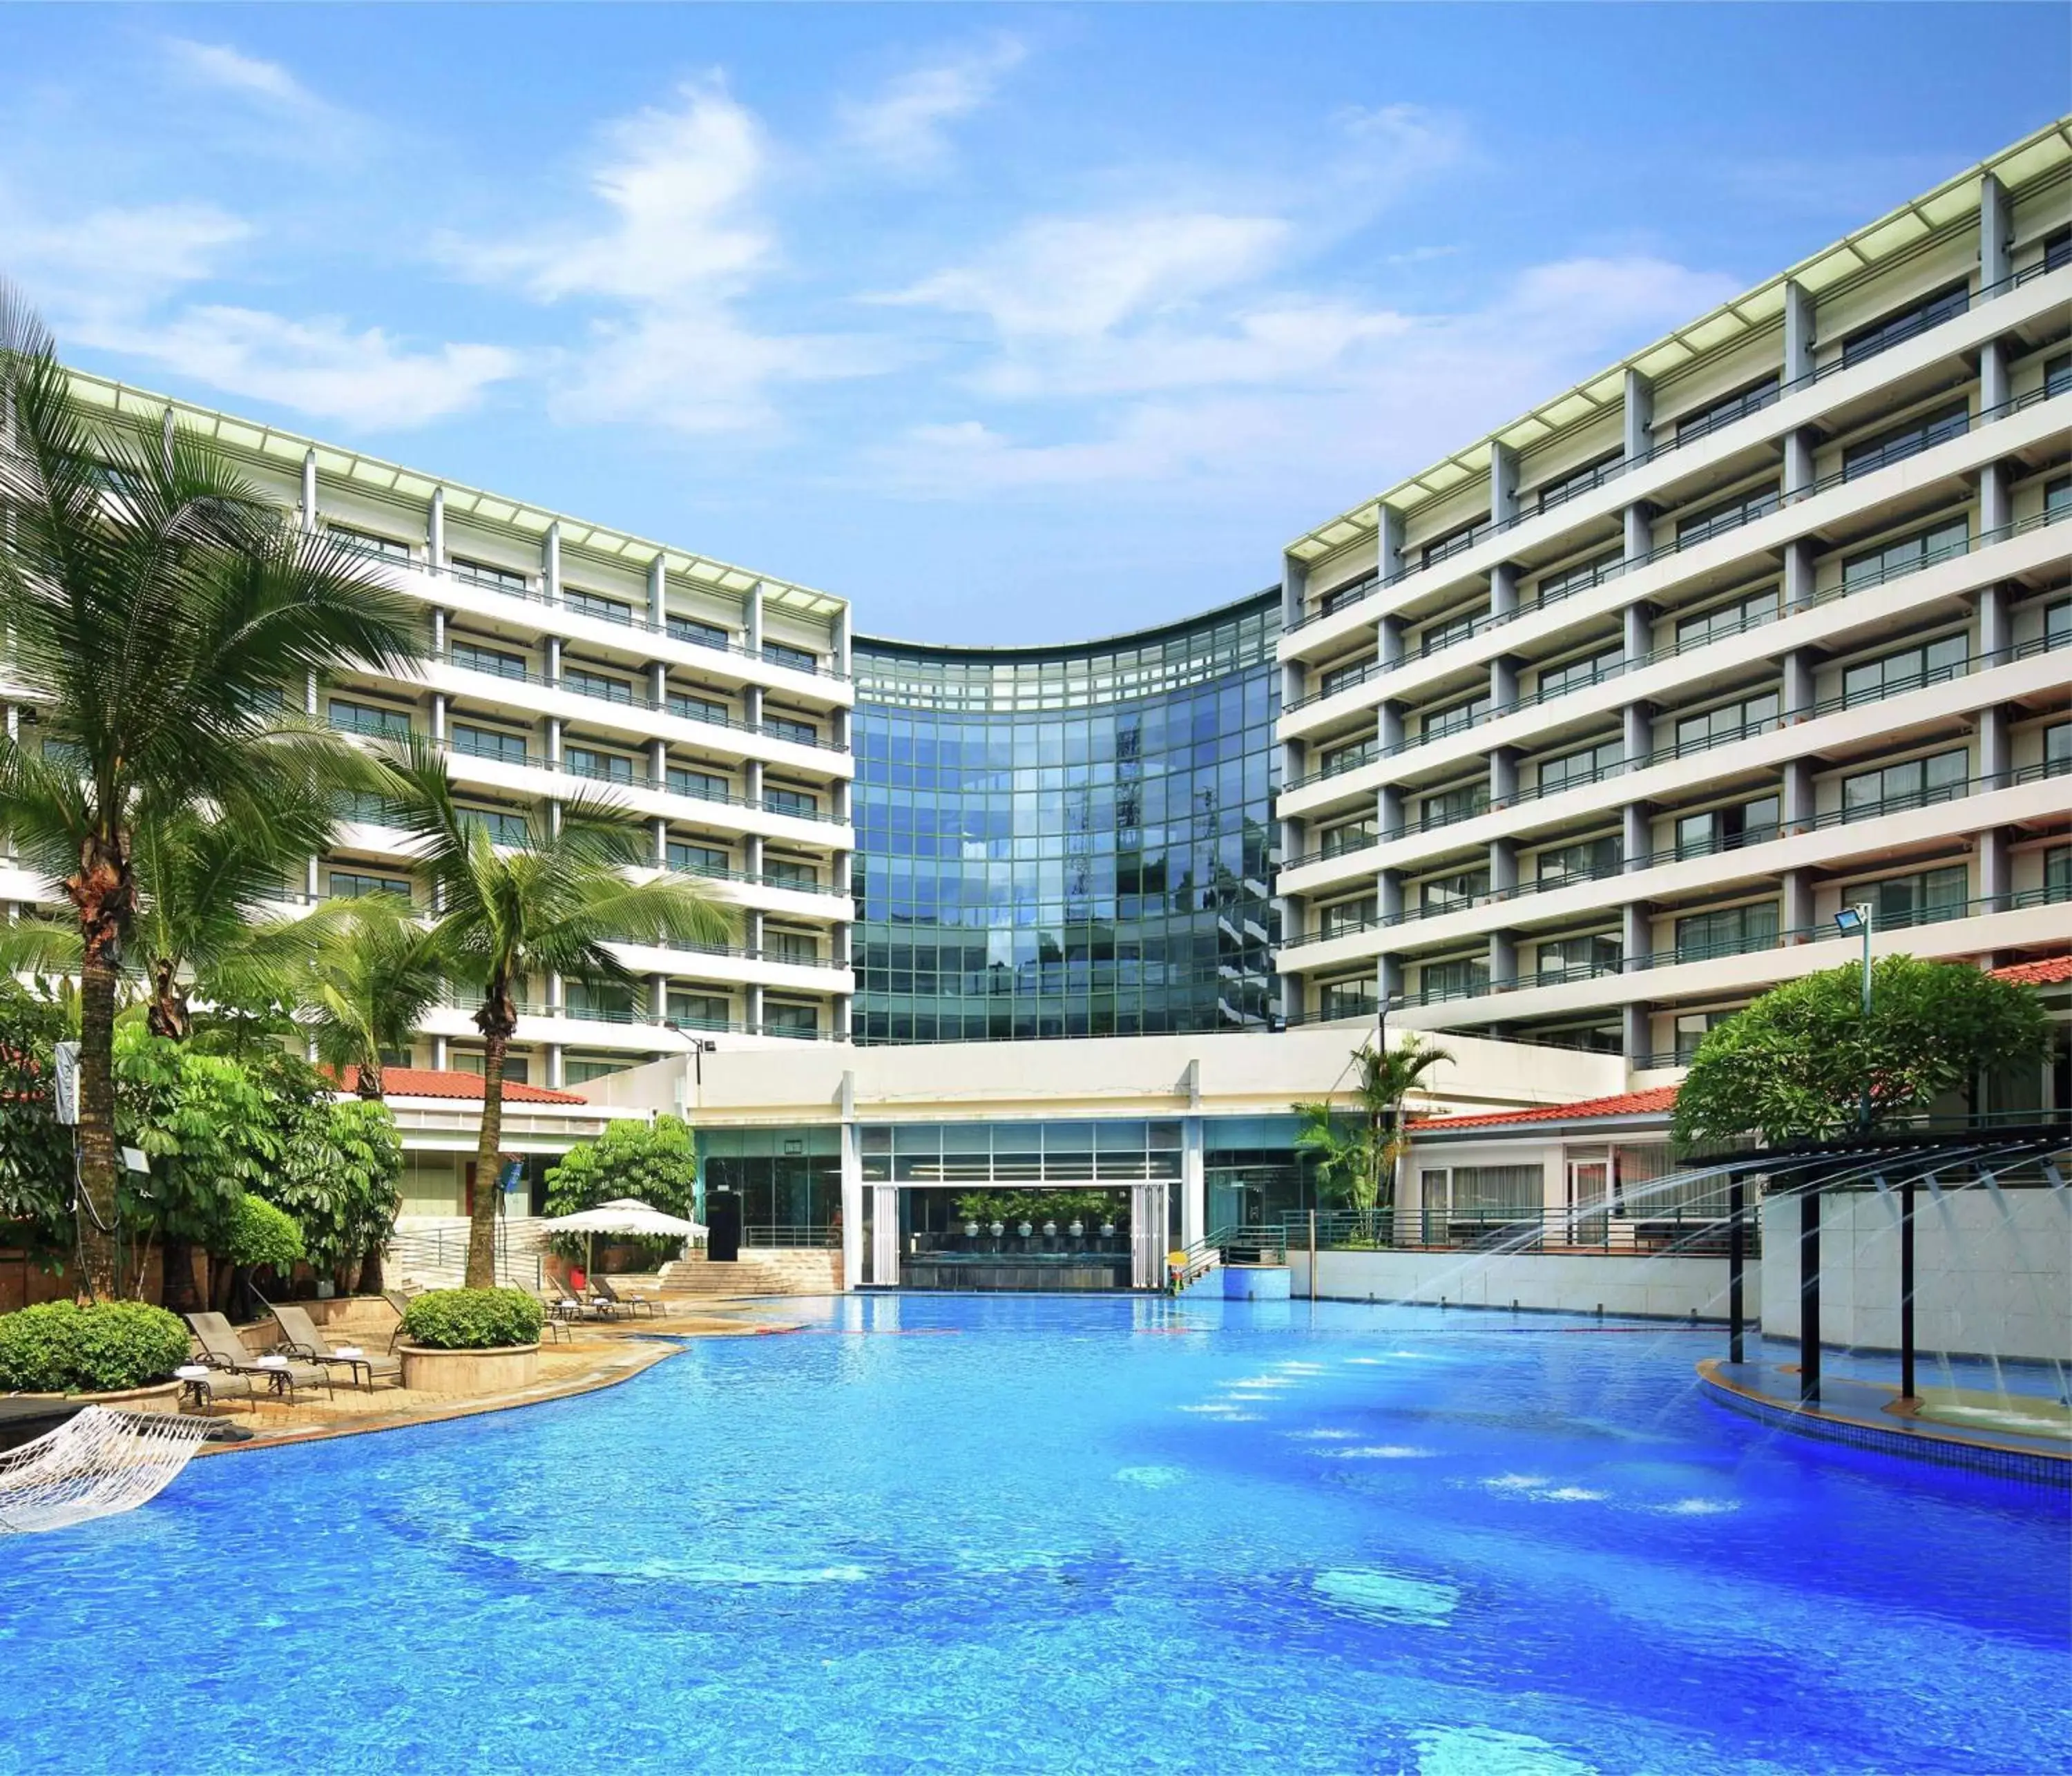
column 1011, row 324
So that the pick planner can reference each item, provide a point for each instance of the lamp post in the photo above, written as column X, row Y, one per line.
column 1855, row 921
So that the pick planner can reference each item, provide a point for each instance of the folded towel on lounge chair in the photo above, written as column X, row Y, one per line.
column 223, row 1347
column 302, row 1337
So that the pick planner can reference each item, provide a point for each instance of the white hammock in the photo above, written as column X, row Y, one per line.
column 96, row 1463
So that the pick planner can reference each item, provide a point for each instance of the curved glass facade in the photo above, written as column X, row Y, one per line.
column 1066, row 841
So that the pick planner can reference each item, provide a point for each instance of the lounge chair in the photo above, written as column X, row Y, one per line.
column 302, row 1336
column 222, row 1348
column 629, row 1303
column 400, row 1299
column 557, row 1306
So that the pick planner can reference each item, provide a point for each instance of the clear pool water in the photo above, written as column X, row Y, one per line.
column 970, row 1535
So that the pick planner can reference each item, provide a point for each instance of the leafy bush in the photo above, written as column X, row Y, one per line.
column 657, row 1163
column 61, row 1347
column 474, row 1319
column 1011, row 1208
column 261, row 1234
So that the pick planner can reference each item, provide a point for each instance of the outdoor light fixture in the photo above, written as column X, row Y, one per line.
column 1855, row 921
column 1850, row 920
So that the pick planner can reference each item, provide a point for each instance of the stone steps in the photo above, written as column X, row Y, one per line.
column 805, row 1272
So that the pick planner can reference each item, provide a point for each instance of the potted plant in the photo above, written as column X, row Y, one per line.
column 471, row 1341
column 110, row 1353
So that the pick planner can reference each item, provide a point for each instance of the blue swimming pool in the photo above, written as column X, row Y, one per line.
column 1089, row 1534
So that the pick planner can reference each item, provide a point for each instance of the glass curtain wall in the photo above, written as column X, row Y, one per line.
column 1067, row 842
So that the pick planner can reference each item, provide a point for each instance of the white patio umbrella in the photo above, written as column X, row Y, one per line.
column 624, row 1215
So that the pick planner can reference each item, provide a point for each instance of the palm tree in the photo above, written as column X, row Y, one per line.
column 1357, row 1149
column 551, row 905
column 158, row 606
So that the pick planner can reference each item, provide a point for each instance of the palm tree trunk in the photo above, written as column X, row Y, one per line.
column 369, row 1281
column 481, row 1227
column 98, row 1175
column 176, row 1290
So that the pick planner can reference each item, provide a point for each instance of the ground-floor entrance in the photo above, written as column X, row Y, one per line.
column 1072, row 1235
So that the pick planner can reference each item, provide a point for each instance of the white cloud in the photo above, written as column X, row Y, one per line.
column 321, row 367
column 117, row 256
column 904, row 125
column 280, row 116
column 231, row 70
column 682, row 242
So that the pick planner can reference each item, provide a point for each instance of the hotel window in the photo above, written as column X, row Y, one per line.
column 697, row 634
column 1930, row 311
column 2058, row 625
column 1575, row 958
column 1729, row 722
column 1350, row 915
column 1911, row 668
column 782, row 946
column 1554, row 493
column 2057, row 250
column 701, row 784
column 1728, row 515
column 1460, row 716
column 1556, row 587
column 609, row 768
column 1345, row 758
column 1920, row 899
column 585, row 683
column 783, row 1019
column 1445, row 634
column 1505, row 1193
column 778, row 654
column 1464, row 977
column 1692, row 1028
column 576, row 1072
column 2057, row 872
column 1730, row 931
column 1452, row 894
column 1463, row 802
column 1726, row 410
column 699, row 1010
column 1727, row 828
column 2057, row 375
column 1585, row 765
column 2057, row 496
column 503, row 827
column 1355, row 837
column 786, row 872
column 1452, row 544
column 604, row 1003
column 1588, row 859
column 1726, row 619
column 494, row 579
column 363, row 805
column 2057, row 749
column 697, row 708
column 356, row 884
column 365, row 718
column 1916, row 783
column 517, row 1070
column 1340, row 596
column 494, row 661
column 1924, row 548
column 697, row 859
column 1575, row 674
column 782, row 727
column 1909, row 440
column 1349, row 999
column 386, row 548
column 791, row 801
column 488, row 743
column 1339, row 678
column 595, row 604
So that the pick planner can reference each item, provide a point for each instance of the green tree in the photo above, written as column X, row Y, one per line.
column 340, row 1170
column 1358, row 1144
column 548, row 905
column 373, row 973
column 158, row 606
column 656, row 1162
column 1794, row 1064
column 35, row 1148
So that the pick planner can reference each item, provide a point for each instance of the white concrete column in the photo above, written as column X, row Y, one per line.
column 661, row 841
column 1193, row 1182
column 1639, row 416
column 1388, row 726
column 1992, row 377
column 556, row 1073
column 309, row 694
column 658, row 685
column 553, row 660
column 438, row 629
column 1798, row 664
column 312, row 877
column 1995, row 873
column 1994, row 750
column 1798, row 574
column 658, row 763
column 1996, row 230
column 441, row 1055
column 885, row 1234
column 1996, row 510
column 1388, row 642
column 1502, row 866
column 1799, row 336
column 852, row 1186
column 1639, row 732
column 1636, row 933
column 1638, row 633
column 1504, row 589
column 658, row 997
column 1636, row 1030
column 435, row 532
column 658, row 592
column 309, row 492
column 1640, row 534
column 553, row 742
column 1798, row 792
column 1798, row 897
column 1388, row 543
column 1994, row 629
column 1636, row 836
column 438, row 718
column 550, row 563
column 1503, row 959
column 1503, row 484
column 1503, row 775
column 752, row 613
column 1798, row 461
column 1503, row 682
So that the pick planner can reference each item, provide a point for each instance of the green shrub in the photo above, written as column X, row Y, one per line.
column 61, row 1347
column 261, row 1235
column 474, row 1319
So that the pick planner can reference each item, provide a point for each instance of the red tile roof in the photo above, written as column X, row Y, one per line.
column 2046, row 973
column 1626, row 1104
column 425, row 1082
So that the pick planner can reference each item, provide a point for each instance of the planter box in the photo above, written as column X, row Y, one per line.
column 160, row 1396
column 492, row 1371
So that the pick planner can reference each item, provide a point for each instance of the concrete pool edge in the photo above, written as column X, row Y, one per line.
column 660, row 1346
column 1913, row 1438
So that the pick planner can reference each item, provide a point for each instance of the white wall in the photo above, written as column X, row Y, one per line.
column 1992, row 1271
column 1660, row 1287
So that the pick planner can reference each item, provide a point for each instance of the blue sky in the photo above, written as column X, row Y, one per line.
column 1009, row 324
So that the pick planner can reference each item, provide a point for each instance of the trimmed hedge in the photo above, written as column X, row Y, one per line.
column 261, row 1235
column 474, row 1319
column 61, row 1347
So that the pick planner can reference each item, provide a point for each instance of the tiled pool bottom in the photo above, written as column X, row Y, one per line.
column 965, row 1535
